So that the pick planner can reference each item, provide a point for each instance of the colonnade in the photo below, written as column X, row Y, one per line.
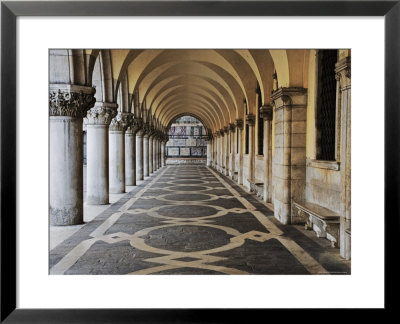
column 121, row 150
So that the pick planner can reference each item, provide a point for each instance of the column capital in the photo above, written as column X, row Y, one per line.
column 70, row 100
column 232, row 127
column 101, row 114
column 343, row 72
column 221, row 132
column 266, row 112
column 239, row 123
column 134, row 127
column 294, row 96
column 226, row 129
column 217, row 134
column 250, row 119
column 121, row 122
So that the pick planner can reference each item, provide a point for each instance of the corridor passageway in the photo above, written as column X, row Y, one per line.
column 189, row 219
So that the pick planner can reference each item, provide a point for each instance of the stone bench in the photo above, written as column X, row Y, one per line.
column 323, row 221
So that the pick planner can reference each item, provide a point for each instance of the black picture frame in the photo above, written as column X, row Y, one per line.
column 10, row 10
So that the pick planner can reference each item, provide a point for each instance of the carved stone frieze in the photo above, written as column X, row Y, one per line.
column 101, row 114
column 71, row 101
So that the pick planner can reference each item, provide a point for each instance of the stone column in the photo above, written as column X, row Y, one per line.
column 222, row 150
column 266, row 114
column 116, row 137
column 146, row 155
column 232, row 150
column 163, row 143
column 226, row 156
column 97, row 121
column 150, row 154
column 289, row 160
column 130, row 153
column 239, row 127
column 209, row 152
column 68, row 104
column 250, row 120
column 343, row 76
column 139, row 155
column 154, row 154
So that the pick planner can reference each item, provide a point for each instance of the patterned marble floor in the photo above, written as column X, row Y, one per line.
column 188, row 219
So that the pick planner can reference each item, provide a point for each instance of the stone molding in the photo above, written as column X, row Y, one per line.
column 343, row 73
column 101, row 114
column 121, row 122
column 266, row 112
column 250, row 119
column 70, row 100
column 239, row 123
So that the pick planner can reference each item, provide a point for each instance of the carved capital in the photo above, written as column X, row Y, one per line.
column 343, row 72
column 134, row 127
column 217, row 134
column 221, row 132
column 70, row 100
column 239, row 123
column 101, row 114
column 121, row 122
column 146, row 129
column 293, row 97
column 266, row 112
column 250, row 119
column 232, row 127
column 226, row 129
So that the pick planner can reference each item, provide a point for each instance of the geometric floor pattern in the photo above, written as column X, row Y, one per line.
column 188, row 219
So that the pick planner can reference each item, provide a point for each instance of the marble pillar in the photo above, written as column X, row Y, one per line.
column 226, row 156
column 130, row 154
column 68, row 104
column 97, row 122
column 116, row 138
column 239, row 127
column 250, row 120
column 209, row 153
column 266, row 114
column 146, row 155
column 232, row 150
column 139, row 156
column 151, row 154
column 163, row 144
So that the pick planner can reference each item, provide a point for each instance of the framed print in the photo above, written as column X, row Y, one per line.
column 180, row 28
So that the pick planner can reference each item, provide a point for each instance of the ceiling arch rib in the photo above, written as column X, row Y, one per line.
column 177, row 111
column 213, row 78
column 195, row 98
column 187, row 114
column 195, row 81
column 181, row 105
column 187, row 89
